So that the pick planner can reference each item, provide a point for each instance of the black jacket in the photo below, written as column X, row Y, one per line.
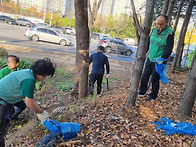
column 99, row 60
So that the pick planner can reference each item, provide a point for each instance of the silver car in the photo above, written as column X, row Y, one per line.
column 48, row 35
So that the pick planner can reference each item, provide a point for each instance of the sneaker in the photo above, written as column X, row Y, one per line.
column 150, row 99
column 140, row 95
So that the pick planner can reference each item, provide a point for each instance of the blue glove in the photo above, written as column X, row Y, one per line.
column 159, row 60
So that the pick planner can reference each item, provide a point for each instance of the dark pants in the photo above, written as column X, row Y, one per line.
column 3, row 124
column 92, row 79
column 20, row 106
column 150, row 70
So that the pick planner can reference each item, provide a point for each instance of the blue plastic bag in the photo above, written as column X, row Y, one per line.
column 161, row 69
column 171, row 127
column 68, row 130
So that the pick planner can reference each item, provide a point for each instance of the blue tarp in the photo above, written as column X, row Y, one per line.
column 161, row 69
column 171, row 127
column 65, row 130
column 68, row 130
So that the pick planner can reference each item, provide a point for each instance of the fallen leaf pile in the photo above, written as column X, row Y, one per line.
column 105, row 122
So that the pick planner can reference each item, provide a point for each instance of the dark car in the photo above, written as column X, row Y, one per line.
column 7, row 19
column 24, row 22
column 59, row 29
column 113, row 45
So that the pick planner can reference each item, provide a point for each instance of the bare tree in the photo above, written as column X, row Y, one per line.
column 93, row 12
column 80, row 88
column 178, row 15
column 165, row 7
column 188, row 96
column 170, row 10
column 140, row 56
column 180, row 45
column 136, row 22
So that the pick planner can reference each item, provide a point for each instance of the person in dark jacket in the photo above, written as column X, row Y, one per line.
column 160, row 46
column 98, row 61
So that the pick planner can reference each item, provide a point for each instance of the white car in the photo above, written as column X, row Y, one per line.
column 47, row 34
column 70, row 31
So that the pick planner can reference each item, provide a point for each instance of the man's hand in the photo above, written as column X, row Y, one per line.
column 107, row 76
column 43, row 116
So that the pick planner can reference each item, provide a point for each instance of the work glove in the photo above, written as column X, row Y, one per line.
column 160, row 60
column 107, row 76
column 43, row 116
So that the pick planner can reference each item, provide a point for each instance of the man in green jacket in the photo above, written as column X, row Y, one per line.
column 160, row 46
column 20, row 85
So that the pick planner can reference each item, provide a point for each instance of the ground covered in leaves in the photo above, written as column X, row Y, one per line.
column 104, row 119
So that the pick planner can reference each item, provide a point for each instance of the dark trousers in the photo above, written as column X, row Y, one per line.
column 3, row 125
column 92, row 79
column 150, row 70
column 20, row 106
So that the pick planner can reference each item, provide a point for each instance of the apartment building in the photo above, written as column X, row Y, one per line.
column 49, row 5
column 66, row 7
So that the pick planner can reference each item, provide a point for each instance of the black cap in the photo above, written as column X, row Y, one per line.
column 101, row 48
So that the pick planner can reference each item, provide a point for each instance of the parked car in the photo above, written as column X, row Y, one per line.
column 70, row 31
column 59, row 29
column 7, row 19
column 98, row 36
column 48, row 35
column 24, row 22
column 129, row 41
column 95, row 36
column 116, row 46
column 45, row 25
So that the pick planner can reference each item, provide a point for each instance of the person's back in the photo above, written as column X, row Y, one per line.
column 98, row 60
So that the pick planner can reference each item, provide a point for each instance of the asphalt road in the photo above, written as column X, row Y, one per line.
column 14, row 35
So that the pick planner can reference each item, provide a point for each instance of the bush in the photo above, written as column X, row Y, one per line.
column 25, row 64
column 3, row 52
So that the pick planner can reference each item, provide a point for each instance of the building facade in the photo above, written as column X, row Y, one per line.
column 66, row 7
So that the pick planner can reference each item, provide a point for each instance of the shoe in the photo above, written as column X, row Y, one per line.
column 150, row 99
column 140, row 95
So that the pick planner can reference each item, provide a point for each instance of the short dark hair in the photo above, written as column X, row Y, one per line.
column 43, row 67
column 165, row 16
column 16, row 58
column 101, row 48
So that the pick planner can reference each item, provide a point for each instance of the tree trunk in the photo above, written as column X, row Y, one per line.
column 188, row 96
column 140, row 56
column 93, row 13
column 180, row 45
column 80, row 88
column 178, row 15
column 136, row 22
column 165, row 7
column 194, row 143
column 170, row 10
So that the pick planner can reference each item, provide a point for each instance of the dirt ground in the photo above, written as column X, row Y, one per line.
column 104, row 120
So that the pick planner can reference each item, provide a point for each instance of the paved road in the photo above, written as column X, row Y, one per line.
column 14, row 35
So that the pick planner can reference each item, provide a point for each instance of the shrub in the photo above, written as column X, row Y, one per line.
column 3, row 52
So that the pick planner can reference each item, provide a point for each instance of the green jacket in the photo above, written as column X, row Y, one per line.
column 5, row 71
column 158, row 43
